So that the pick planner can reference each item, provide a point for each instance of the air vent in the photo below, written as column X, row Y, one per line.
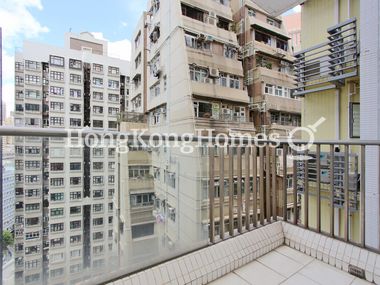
column 356, row 271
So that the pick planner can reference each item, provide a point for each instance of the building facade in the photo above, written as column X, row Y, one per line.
column 267, row 59
column 292, row 24
column 64, row 210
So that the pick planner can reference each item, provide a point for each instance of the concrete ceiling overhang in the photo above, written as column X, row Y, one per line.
column 277, row 7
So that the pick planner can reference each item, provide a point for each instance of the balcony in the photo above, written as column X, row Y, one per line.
column 215, row 91
column 270, row 75
column 314, row 233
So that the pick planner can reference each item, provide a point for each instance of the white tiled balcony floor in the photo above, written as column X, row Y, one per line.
column 285, row 265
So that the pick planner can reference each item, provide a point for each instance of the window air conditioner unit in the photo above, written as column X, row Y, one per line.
column 163, row 110
column 214, row 72
column 156, row 70
column 209, row 39
column 208, row 81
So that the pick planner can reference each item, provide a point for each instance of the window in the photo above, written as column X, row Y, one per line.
column 138, row 60
column 144, row 230
column 273, row 22
column 75, row 108
column 268, row 89
column 58, row 76
column 193, row 13
column 75, row 210
column 139, row 171
column 98, row 249
column 32, row 150
column 279, row 91
column 155, row 35
column 32, row 165
column 281, row 44
column 57, row 197
column 32, row 65
column 75, row 166
column 75, row 195
column 98, row 180
column 19, row 66
column 75, row 122
column 97, row 68
column 56, row 121
column 97, row 96
column 113, row 98
column 57, row 182
column 32, row 207
column 142, row 200
column 56, row 166
column 57, row 227
column 32, row 278
column 32, row 235
column 32, row 79
column 97, row 166
column 97, row 81
column 75, row 93
column 75, row 64
column 32, row 107
column 113, row 84
column 97, row 124
column 261, row 37
column 75, row 79
column 75, row 239
column 193, row 42
column 97, row 109
column 56, row 242
column 198, row 74
column 202, row 110
column 74, row 181
column 138, row 40
column 56, row 106
column 57, row 61
column 155, row 90
column 230, row 51
column 97, row 152
column 98, row 194
column 113, row 70
column 56, row 212
column 75, row 225
column 96, row 208
column 223, row 23
column 251, row 12
column 97, row 222
column 234, row 82
column 56, row 90
column 111, row 179
column 113, row 111
column 31, row 179
column 97, row 236
column 76, row 268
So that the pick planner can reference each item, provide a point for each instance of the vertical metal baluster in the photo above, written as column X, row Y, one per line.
column 231, row 190
column 268, row 180
column 362, row 195
column 285, row 183
column 306, row 191
column 318, row 162
column 221, row 194
column 332, row 209
column 254, row 174
column 346, row 193
column 239, row 192
column 211, row 193
column 274, row 185
column 262, row 192
column 247, row 188
column 295, row 186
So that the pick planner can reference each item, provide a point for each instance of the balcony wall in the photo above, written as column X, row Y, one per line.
column 211, row 5
column 276, row 103
column 273, row 77
column 141, row 185
column 218, row 92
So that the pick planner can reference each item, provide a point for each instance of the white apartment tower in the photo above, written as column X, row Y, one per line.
column 64, row 218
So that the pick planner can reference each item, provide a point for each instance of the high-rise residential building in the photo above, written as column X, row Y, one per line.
column 267, row 59
column 64, row 219
column 292, row 24
column 8, row 185
column 195, row 82
column 138, row 97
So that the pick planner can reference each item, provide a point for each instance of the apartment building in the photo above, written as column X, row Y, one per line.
column 8, row 185
column 196, row 82
column 138, row 97
column 65, row 207
column 292, row 24
column 267, row 59
column 327, row 71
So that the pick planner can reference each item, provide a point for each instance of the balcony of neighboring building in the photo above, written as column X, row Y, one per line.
column 208, row 23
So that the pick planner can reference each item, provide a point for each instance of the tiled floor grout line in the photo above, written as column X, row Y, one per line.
column 241, row 277
column 304, row 265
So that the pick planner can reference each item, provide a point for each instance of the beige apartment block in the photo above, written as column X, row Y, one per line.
column 267, row 60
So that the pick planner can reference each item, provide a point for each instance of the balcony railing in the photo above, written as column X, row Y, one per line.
column 326, row 65
column 328, row 179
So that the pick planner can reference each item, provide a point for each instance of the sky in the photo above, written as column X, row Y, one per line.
column 46, row 21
